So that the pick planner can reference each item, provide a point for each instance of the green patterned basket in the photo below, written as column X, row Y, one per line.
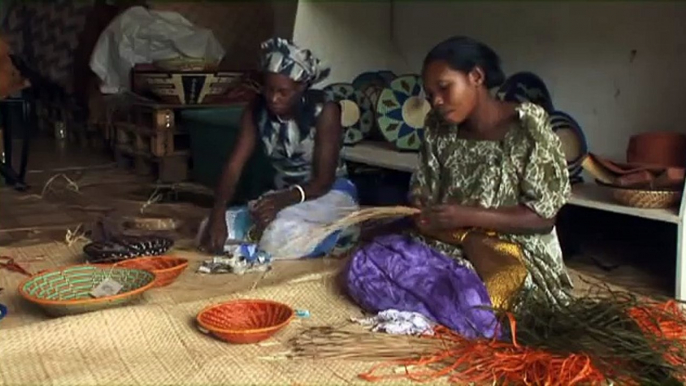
column 66, row 291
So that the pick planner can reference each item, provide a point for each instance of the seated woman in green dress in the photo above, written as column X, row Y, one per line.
column 491, row 180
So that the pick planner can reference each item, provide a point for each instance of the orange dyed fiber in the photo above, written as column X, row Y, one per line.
column 662, row 319
column 488, row 360
column 665, row 321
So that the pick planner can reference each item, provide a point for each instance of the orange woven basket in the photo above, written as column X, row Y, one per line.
column 165, row 268
column 245, row 321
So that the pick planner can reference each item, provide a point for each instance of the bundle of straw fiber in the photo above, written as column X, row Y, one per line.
column 326, row 342
column 596, row 339
column 311, row 240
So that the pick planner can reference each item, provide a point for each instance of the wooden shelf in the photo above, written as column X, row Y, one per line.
column 378, row 154
column 596, row 197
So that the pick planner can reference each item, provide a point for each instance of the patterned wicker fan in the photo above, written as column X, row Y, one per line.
column 401, row 111
column 572, row 138
column 526, row 86
column 357, row 116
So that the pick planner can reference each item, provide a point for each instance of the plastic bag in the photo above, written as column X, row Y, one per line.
column 140, row 35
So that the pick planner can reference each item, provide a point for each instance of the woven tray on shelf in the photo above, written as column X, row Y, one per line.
column 644, row 198
column 66, row 290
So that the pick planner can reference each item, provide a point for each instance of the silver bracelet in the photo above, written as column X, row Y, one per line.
column 302, row 192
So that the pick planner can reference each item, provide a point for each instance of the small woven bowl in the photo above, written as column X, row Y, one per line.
column 66, row 291
column 165, row 268
column 643, row 198
column 646, row 199
column 245, row 321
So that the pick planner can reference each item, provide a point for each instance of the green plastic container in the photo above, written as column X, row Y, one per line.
column 213, row 133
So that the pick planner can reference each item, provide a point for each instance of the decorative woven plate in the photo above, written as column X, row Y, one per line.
column 573, row 140
column 189, row 88
column 373, row 92
column 246, row 320
column 357, row 116
column 387, row 76
column 575, row 171
column 126, row 247
column 165, row 268
column 66, row 290
column 401, row 111
column 523, row 87
column 376, row 78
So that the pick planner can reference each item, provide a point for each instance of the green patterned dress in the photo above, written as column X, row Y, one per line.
column 526, row 167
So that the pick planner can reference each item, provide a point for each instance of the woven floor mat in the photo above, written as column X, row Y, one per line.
column 190, row 286
column 158, row 344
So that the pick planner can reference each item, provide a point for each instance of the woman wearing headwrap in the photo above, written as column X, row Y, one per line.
column 302, row 136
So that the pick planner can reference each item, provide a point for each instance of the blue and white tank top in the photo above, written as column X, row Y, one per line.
column 289, row 144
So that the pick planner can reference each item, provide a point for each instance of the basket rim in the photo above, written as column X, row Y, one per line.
column 637, row 190
column 36, row 300
column 183, row 263
column 206, row 326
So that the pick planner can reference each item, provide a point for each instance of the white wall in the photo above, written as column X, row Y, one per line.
column 352, row 37
column 582, row 50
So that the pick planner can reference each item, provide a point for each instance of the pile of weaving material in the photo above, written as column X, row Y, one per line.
column 602, row 337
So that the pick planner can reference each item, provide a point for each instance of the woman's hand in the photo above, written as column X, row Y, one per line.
column 445, row 217
column 416, row 201
column 216, row 233
column 264, row 211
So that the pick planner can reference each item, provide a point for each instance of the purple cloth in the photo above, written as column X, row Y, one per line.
column 397, row 272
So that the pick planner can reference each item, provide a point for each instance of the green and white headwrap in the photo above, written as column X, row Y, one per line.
column 282, row 56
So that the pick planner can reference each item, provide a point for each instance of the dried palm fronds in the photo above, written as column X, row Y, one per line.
column 311, row 240
column 637, row 340
column 71, row 185
column 154, row 198
column 76, row 235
